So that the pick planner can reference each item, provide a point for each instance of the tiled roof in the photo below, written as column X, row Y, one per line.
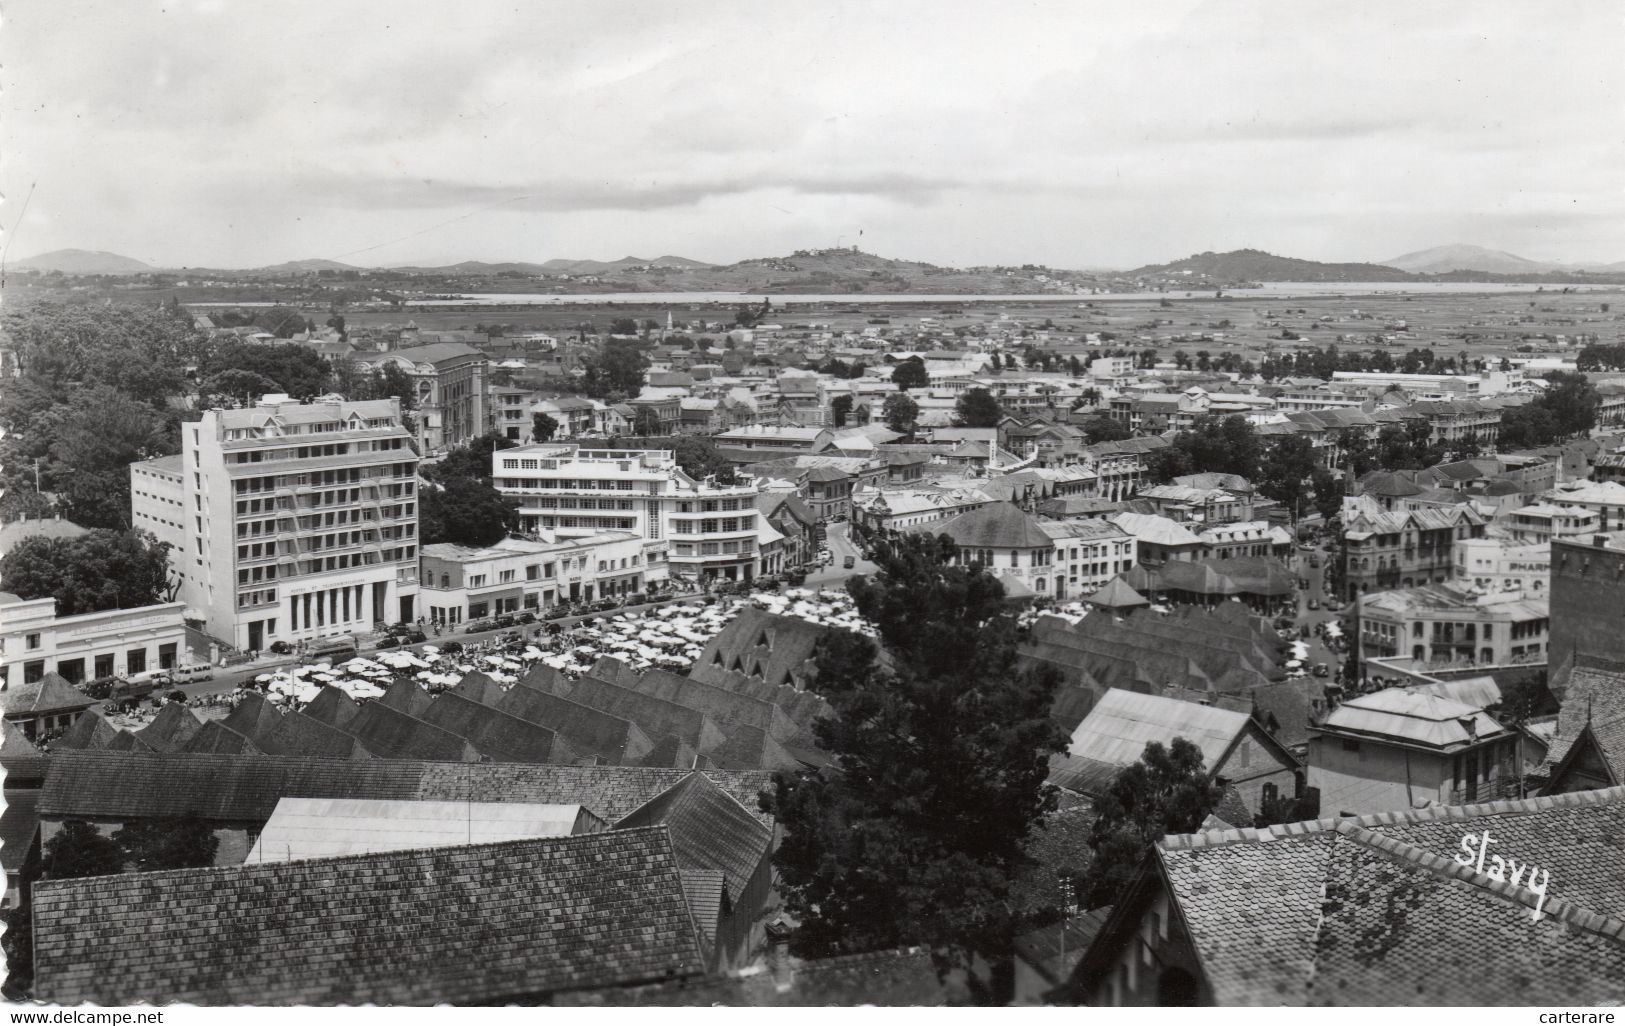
column 332, row 707
column 405, row 695
column 478, row 687
column 493, row 733
column 50, row 694
column 171, row 729
column 588, row 732
column 710, row 829
column 997, row 525
column 654, row 716
column 1376, row 909
column 391, row 734
column 246, row 788
column 19, row 823
column 899, row 978
column 215, row 737
column 761, row 644
column 301, row 734
column 90, row 732
column 703, row 888
column 729, row 709
column 21, row 760
column 253, row 716
column 483, row 923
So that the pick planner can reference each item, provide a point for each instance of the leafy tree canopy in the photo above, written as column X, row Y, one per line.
column 977, row 408
column 465, row 511
column 299, row 372
column 100, row 570
column 910, row 374
column 1166, row 792
column 468, row 461
column 616, row 370
column 543, row 427
column 941, row 753
column 900, row 412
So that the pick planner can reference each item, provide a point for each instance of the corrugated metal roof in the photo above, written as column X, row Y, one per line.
column 1122, row 723
column 317, row 828
column 1414, row 717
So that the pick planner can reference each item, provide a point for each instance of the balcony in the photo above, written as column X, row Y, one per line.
column 1487, row 791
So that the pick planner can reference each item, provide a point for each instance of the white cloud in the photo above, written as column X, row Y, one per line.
column 1075, row 134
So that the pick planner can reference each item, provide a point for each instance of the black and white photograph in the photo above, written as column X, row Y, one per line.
column 622, row 505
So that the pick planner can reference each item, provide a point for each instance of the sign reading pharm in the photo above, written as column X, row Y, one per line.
column 1500, row 868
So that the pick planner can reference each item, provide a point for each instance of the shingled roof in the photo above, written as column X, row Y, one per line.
column 493, row 732
column 301, row 734
column 656, row 717
column 392, row 734
column 709, row 828
column 762, row 644
column 526, row 919
column 729, row 709
column 902, row 977
column 332, row 707
column 588, row 732
column 253, row 716
column 246, row 788
column 50, row 694
column 1376, row 910
column 24, row 764
column 90, row 732
column 171, row 729
column 215, row 736
column 405, row 695
column 19, row 825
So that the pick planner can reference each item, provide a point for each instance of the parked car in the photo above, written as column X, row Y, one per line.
column 1322, row 670
column 476, row 626
column 388, row 642
column 503, row 621
column 525, row 617
column 1314, row 603
column 849, row 562
column 195, row 674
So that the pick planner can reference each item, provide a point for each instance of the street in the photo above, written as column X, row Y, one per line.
column 1306, row 617
column 838, row 537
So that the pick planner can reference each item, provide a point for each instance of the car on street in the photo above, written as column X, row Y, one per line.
column 1314, row 603
column 849, row 562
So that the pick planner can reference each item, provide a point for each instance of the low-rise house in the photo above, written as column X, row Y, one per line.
column 1401, row 747
column 461, row 583
column 1236, row 751
column 1376, row 910
column 1542, row 521
column 34, row 641
column 1382, row 550
column 44, row 706
column 1089, row 554
column 1499, row 564
column 1606, row 498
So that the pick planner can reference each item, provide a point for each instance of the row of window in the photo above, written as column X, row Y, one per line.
column 714, row 526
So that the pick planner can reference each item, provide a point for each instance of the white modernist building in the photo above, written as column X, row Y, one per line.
column 290, row 521
column 702, row 527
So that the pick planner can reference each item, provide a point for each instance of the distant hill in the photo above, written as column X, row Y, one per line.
column 616, row 266
column 298, row 266
column 1461, row 257
column 82, row 261
column 1246, row 265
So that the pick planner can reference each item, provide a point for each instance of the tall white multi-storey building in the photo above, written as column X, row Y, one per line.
column 290, row 521
column 700, row 528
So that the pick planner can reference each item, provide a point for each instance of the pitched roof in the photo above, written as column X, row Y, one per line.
column 760, row 644
column 1406, row 716
column 405, row 695
column 90, row 731
column 904, row 977
column 215, row 736
column 1122, row 723
column 709, row 829
column 253, row 716
column 50, row 694
column 1376, row 909
column 19, row 825
column 332, row 707
column 478, row 687
column 654, row 716
column 246, row 788
column 524, row 918
column 318, row 828
column 997, row 525
column 304, row 735
column 589, row 732
column 171, row 729
column 1117, row 595
column 392, row 734
column 492, row 732
column 21, row 760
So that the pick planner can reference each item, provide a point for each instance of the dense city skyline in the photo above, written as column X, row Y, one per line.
column 1110, row 136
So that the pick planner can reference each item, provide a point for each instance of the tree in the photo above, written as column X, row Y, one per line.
column 141, row 352
column 616, row 369
column 1285, row 471
column 336, row 322
column 97, row 434
column 281, row 321
column 1167, row 792
column 646, row 421
column 298, row 371
column 1328, row 491
column 840, row 408
column 941, row 753
column 699, row 458
column 241, row 387
column 1213, row 445
column 977, row 408
column 100, row 570
column 465, row 511
column 172, row 842
column 542, row 427
column 468, row 461
column 910, row 374
column 79, row 851
column 1104, row 429
column 900, row 412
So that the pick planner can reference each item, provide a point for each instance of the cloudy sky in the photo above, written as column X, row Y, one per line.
column 1077, row 134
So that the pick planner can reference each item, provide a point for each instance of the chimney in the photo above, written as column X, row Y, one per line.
column 778, row 955
column 1599, row 540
